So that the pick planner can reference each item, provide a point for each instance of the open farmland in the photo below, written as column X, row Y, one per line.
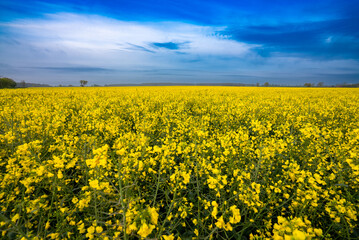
column 179, row 163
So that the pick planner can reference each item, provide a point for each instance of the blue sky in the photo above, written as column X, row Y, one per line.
column 248, row 41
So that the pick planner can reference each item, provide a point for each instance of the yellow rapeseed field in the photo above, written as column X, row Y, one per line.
column 179, row 163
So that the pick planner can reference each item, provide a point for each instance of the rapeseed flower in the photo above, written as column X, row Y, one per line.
column 145, row 230
column 179, row 162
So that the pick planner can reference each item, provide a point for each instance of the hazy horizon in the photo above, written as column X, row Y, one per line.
column 124, row 42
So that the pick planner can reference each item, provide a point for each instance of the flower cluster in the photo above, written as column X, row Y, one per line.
column 179, row 163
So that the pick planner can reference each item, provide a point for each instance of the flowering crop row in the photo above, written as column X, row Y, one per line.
column 179, row 163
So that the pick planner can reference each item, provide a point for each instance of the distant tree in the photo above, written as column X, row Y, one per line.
column 7, row 83
column 257, row 84
column 266, row 84
column 22, row 84
column 320, row 84
column 307, row 84
column 83, row 83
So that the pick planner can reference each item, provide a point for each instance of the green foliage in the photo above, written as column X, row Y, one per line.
column 83, row 83
column 7, row 83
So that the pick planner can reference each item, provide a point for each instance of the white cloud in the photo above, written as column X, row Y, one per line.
column 101, row 35
column 79, row 40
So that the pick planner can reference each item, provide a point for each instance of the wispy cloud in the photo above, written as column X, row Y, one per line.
column 138, row 48
column 74, row 69
column 100, row 33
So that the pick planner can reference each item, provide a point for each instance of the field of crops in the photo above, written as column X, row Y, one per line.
column 179, row 163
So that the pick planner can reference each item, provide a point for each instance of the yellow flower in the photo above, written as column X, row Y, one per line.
column 214, row 212
column 212, row 182
column 287, row 237
column 186, row 177
column 220, row 223
column 94, row 184
column 228, row 227
column 298, row 235
column 145, row 230
column 47, row 225
column 81, row 227
column 59, row 174
column 318, row 232
column 91, row 230
column 121, row 151
column 99, row 229
column 53, row 235
column 15, row 218
column 236, row 215
column 40, row 171
column 132, row 227
column 169, row 237
column 153, row 214
column 140, row 165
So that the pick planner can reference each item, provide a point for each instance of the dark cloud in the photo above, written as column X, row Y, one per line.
column 325, row 39
column 345, row 77
column 167, row 45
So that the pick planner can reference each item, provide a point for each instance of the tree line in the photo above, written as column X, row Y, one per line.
column 10, row 83
column 7, row 83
